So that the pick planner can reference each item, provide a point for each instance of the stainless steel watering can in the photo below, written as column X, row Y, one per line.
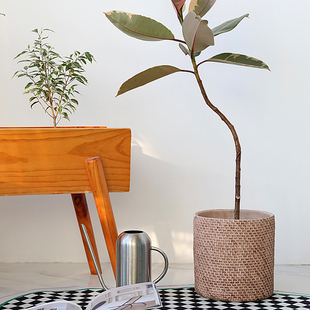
column 133, row 258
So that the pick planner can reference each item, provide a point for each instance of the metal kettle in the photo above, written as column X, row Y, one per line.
column 133, row 258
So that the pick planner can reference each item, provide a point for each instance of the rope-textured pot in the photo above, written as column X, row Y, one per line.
column 234, row 259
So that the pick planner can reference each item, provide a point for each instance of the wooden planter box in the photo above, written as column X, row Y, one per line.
column 68, row 160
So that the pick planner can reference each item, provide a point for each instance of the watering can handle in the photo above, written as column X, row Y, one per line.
column 166, row 263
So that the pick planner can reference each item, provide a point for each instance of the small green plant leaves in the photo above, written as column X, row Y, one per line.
column 65, row 116
column 238, row 59
column 228, row 26
column 146, row 77
column 197, row 35
column 28, row 85
column 23, row 52
column 139, row 27
column 52, row 78
column 89, row 57
column 201, row 7
column 41, row 31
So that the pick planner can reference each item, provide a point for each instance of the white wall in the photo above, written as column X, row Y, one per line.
column 182, row 154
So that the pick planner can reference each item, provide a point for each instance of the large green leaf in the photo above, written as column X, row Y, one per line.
column 201, row 7
column 139, row 27
column 147, row 76
column 196, row 32
column 238, row 59
column 228, row 26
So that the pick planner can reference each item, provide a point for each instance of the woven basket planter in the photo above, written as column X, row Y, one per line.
column 234, row 259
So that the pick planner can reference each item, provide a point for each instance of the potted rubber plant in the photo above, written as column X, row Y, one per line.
column 233, row 249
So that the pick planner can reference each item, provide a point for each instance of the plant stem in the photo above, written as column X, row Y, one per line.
column 235, row 137
column 50, row 98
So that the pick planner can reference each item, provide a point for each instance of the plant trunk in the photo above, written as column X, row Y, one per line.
column 235, row 137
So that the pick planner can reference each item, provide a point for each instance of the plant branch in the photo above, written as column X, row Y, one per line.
column 178, row 40
column 202, row 62
column 42, row 104
column 235, row 137
column 66, row 84
column 50, row 93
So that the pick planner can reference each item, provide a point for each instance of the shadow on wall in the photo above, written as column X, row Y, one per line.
column 160, row 202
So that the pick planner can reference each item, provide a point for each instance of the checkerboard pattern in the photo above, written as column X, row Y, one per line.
column 172, row 299
column 80, row 297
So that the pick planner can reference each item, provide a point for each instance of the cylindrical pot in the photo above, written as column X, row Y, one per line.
column 234, row 259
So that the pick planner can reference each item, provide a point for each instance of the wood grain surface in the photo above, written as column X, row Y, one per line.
column 52, row 161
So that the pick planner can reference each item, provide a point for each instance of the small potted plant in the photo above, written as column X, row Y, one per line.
column 53, row 160
column 233, row 250
column 53, row 79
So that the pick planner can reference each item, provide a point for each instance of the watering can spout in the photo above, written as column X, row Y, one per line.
column 92, row 253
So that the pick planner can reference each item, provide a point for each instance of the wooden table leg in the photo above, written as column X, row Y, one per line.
column 102, row 199
column 83, row 217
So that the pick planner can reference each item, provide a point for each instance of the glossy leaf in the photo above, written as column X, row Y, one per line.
column 238, row 59
column 228, row 26
column 146, row 77
column 139, row 27
column 201, row 7
column 178, row 4
column 184, row 49
column 197, row 35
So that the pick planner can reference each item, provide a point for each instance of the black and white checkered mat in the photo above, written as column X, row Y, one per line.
column 172, row 299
